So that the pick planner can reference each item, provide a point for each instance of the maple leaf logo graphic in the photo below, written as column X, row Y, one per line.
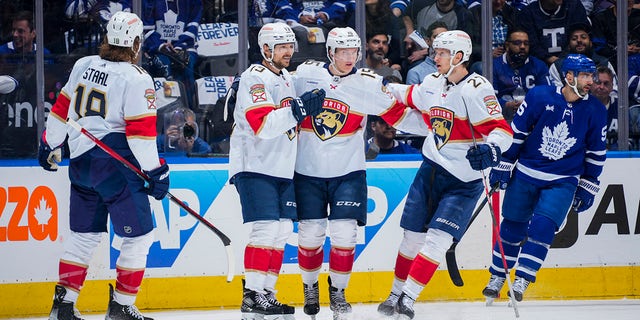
column 556, row 143
column 43, row 212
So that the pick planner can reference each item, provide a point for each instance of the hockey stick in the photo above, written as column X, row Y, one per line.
column 450, row 256
column 496, row 228
column 225, row 240
column 495, row 223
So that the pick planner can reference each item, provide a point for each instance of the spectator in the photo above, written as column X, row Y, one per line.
column 546, row 21
column 334, row 12
column 428, row 66
column 86, row 22
column 181, row 134
column 602, row 87
column 605, row 32
column 515, row 72
column 170, row 35
column 455, row 15
column 579, row 41
column 503, row 19
column 377, row 49
column 23, row 35
column 379, row 15
column 634, row 66
column 421, row 13
column 384, row 139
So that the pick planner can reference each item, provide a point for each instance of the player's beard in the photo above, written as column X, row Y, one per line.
column 282, row 63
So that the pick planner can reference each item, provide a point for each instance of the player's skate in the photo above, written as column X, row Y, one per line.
column 287, row 310
column 116, row 311
column 256, row 306
column 404, row 307
column 63, row 310
column 311, row 300
column 519, row 286
column 492, row 290
column 338, row 304
column 388, row 306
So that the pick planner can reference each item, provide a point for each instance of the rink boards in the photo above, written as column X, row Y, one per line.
column 594, row 256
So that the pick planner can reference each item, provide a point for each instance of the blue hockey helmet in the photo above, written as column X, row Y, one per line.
column 577, row 63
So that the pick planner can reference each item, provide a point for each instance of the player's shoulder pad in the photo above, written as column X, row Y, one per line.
column 309, row 66
column 369, row 75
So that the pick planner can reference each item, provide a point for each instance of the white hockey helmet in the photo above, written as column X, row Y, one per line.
column 454, row 41
column 123, row 29
column 342, row 38
column 272, row 34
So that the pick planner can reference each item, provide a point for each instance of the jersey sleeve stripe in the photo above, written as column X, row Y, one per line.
column 60, row 109
column 141, row 127
column 256, row 116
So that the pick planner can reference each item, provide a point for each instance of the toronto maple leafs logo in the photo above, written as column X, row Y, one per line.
column 556, row 142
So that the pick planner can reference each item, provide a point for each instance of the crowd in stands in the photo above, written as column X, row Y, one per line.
column 529, row 40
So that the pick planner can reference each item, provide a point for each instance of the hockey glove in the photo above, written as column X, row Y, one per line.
column 501, row 174
column 308, row 104
column 586, row 192
column 47, row 157
column 158, row 183
column 483, row 156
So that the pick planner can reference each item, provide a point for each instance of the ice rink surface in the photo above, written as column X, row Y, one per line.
column 529, row 310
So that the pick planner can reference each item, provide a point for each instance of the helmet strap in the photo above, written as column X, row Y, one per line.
column 451, row 65
column 574, row 86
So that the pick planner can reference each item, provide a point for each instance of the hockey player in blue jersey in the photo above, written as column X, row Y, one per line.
column 558, row 153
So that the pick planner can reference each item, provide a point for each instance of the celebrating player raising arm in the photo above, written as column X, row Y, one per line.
column 465, row 121
column 330, row 167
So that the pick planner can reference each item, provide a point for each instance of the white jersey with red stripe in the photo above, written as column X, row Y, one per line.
column 332, row 143
column 264, row 137
column 450, row 110
column 107, row 97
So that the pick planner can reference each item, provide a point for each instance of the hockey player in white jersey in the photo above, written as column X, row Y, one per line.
column 262, row 158
column 552, row 166
column 330, row 167
column 114, row 99
column 467, row 132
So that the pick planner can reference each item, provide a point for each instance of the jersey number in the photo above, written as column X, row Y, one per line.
column 94, row 104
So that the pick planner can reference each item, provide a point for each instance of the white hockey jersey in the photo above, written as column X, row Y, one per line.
column 450, row 111
column 264, row 137
column 107, row 97
column 332, row 143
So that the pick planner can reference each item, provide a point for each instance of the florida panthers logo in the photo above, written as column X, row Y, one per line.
column 441, row 125
column 331, row 120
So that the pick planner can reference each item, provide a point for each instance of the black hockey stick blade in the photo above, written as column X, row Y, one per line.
column 452, row 266
column 450, row 255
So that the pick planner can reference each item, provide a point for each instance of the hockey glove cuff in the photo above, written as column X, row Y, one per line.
column 47, row 157
column 585, row 194
column 484, row 156
column 308, row 104
column 158, row 183
column 501, row 174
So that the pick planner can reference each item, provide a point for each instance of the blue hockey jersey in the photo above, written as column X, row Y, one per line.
column 558, row 141
column 547, row 33
column 533, row 72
